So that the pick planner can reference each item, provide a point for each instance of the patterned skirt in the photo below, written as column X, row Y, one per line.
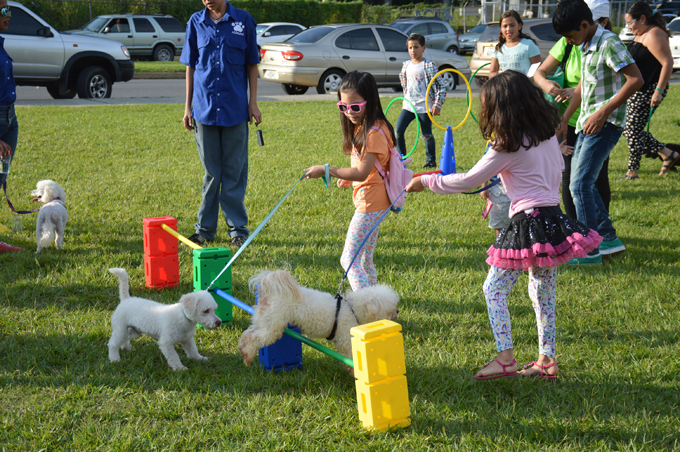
column 541, row 237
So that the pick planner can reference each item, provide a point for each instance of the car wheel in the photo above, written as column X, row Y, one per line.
column 294, row 89
column 94, row 83
column 453, row 49
column 54, row 92
column 449, row 80
column 163, row 53
column 481, row 81
column 330, row 81
column 397, row 88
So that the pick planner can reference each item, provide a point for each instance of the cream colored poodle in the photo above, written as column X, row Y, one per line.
column 167, row 324
column 281, row 300
column 53, row 216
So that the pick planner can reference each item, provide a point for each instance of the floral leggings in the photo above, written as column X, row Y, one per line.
column 542, row 285
column 362, row 274
column 637, row 115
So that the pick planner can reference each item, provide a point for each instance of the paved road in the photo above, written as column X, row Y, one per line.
column 171, row 91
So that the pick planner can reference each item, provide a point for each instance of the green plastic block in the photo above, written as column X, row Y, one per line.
column 208, row 263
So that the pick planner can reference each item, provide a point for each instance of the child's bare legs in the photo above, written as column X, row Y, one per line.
column 497, row 287
column 542, row 288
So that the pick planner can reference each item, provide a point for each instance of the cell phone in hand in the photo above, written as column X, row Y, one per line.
column 260, row 138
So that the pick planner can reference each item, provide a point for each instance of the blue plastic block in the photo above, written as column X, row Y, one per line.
column 284, row 354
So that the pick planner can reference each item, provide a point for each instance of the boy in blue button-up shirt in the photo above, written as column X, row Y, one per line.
column 221, row 55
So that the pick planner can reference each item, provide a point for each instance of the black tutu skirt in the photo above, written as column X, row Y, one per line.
column 544, row 237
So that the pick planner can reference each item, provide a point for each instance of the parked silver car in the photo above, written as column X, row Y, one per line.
column 468, row 41
column 437, row 32
column 321, row 55
column 64, row 63
column 159, row 37
column 275, row 32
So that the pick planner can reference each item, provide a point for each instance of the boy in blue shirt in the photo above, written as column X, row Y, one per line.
column 601, row 93
column 220, row 52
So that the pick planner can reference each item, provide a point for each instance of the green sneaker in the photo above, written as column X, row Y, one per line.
column 588, row 260
column 610, row 248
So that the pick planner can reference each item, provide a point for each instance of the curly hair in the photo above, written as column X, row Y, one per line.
column 515, row 113
column 501, row 38
column 364, row 85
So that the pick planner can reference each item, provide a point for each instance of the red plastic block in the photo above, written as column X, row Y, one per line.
column 157, row 241
column 161, row 271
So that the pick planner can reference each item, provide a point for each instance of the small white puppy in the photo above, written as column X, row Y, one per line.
column 167, row 324
column 281, row 300
column 53, row 216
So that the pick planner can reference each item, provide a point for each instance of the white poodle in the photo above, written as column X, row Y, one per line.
column 281, row 300
column 167, row 324
column 53, row 216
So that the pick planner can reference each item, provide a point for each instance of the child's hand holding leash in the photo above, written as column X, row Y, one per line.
column 415, row 185
column 436, row 111
column 314, row 172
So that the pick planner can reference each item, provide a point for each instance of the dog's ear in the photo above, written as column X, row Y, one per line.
column 190, row 304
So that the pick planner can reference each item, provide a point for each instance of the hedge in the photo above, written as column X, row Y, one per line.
column 69, row 15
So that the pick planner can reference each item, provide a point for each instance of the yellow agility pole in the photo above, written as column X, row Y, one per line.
column 427, row 96
column 181, row 238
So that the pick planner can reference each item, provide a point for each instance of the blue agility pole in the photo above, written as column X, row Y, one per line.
column 254, row 234
column 332, row 353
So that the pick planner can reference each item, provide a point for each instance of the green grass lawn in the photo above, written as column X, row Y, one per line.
column 159, row 66
column 618, row 340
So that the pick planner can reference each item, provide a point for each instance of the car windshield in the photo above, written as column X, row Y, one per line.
column 260, row 28
column 478, row 29
column 95, row 25
column 490, row 34
column 310, row 35
column 674, row 26
column 402, row 26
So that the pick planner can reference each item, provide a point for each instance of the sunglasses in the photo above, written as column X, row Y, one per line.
column 5, row 11
column 628, row 24
column 356, row 108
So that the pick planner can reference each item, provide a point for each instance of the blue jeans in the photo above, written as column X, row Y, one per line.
column 405, row 118
column 590, row 152
column 224, row 154
column 9, row 131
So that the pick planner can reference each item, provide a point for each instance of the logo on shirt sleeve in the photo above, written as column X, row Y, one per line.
column 238, row 28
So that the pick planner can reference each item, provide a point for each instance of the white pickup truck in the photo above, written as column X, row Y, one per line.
column 66, row 64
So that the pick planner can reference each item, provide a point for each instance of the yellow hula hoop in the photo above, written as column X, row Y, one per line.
column 427, row 97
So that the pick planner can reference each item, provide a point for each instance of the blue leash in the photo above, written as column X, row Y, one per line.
column 254, row 234
column 495, row 182
column 344, row 277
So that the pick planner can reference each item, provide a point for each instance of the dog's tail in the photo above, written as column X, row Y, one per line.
column 123, row 282
column 275, row 284
column 46, row 229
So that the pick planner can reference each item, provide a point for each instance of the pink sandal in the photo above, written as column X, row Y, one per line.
column 543, row 374
column 503, row 375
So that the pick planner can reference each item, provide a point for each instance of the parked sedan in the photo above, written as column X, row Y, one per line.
column 540, row 29
column 468, row 41
column 438, row 33
column 321, row 55
column 275, row 32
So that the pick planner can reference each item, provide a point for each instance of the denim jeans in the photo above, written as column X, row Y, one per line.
column 224, row 154
column 590, row 152
column 9, row 131
column 405, row 118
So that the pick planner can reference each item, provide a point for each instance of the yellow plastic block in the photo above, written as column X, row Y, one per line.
column 384, row 405
column 378, row 351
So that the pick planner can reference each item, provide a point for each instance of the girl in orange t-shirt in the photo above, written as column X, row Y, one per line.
column 361, row 111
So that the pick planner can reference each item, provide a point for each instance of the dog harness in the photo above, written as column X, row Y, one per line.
column 338, row 299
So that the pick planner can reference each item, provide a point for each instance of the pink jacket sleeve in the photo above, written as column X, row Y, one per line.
column 490, row 165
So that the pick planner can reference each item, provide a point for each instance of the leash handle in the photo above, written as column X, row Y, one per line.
column 496, row 182
column 20, row 212
column 254, row 234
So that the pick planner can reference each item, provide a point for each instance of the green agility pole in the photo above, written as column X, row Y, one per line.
column 332, row 353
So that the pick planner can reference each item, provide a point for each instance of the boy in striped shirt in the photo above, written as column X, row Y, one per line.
column 601, row 93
